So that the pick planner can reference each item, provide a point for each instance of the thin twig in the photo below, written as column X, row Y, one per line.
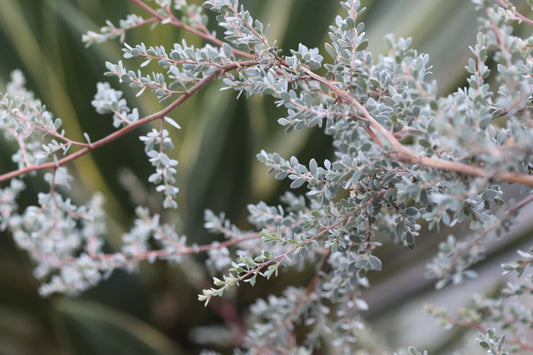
column 205, row 35
column 518, row 15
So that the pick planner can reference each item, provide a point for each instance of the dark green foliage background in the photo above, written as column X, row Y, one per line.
column 153, row 312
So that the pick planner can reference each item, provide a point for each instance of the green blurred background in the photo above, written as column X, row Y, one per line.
column 155, row 311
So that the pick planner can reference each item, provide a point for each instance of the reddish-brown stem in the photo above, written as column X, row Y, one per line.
column 261, row 38
column 482, row 329
column 281, row 258
column 470, row 325
column 119, row 133
column 116, row 31
column 312, row 285
column 205, row 35
column 308, row 292
column 518, row 15
column 22, row 117
column 402, row 154
column 520, row 204
column 372, row 135
column 183, row 250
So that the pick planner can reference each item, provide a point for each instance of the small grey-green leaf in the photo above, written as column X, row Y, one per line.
column 281, row 175
column 362, row 46
column 400, row 228
column 411, row 212
column 297, row 183
column 375, row 263
column 313, row 166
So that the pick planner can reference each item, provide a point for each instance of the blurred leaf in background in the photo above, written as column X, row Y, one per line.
column 156, row 312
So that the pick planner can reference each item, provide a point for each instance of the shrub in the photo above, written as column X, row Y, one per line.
column 403, row 159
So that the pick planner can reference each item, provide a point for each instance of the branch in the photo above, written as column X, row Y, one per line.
column 482, row 329
column 119, row 133
column 401, row 154
column 314, row 282
column 177, row 23
column 518, row 16
column 184, row 250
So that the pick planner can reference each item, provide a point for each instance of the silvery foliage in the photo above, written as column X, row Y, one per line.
column 401, row 160
column 510, row 312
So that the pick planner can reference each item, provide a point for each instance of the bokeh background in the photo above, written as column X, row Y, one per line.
column 155, row 311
